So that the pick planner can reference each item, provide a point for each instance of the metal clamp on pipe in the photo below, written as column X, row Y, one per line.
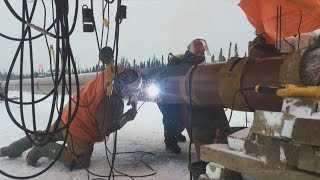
column 290, row 90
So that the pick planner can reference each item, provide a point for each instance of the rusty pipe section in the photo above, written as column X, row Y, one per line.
column 223, row 84
column 230, row 84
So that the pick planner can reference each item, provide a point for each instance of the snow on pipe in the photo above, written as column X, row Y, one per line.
column 43, row 85
column 220, row 84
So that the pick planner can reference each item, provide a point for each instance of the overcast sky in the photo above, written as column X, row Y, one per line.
column 152, row 27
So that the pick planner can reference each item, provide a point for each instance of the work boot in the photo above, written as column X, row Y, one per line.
column 172, row 144
column 181, row 138
column 16, row 148
column 49, row 150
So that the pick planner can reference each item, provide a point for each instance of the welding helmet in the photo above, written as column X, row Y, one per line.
column 130, row 81
column 198, row 46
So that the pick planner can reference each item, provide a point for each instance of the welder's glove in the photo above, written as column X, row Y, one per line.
column 130, row 114
column 127, row 116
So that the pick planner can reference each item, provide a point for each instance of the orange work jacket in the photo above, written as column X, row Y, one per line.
column 85, row 125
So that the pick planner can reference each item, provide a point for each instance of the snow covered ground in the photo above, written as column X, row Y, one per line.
column 145, row 133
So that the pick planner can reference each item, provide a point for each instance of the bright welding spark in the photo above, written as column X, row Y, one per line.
column 153, row 90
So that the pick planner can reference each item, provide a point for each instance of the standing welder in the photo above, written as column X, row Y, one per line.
column 173, row 114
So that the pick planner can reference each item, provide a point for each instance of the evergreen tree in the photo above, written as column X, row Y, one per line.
column 221, row 57
column 122, row 62
column 236, row 54
column 212, row 58
column 162, row 60
column 149, row 63
column 245, row 54
column 229, row 53
column 134, row 63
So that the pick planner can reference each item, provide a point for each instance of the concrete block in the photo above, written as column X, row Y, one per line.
column 237, row 140
column 243, row 163
column 277, row 124
column 306, row 131
column 309, row 158
column 273, row 151
column 300, row 107
column 221, row 154
column 291, row 152
column 271, row 155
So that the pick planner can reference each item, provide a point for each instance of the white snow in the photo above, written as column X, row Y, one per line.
column 282, row 155
column 299, row 111
column 287, row 129
column 273, row 118
column 225, row 148
column 263, row 159
column 236, row 144
column 145, row 133
column 236, row 140
column 213, row 170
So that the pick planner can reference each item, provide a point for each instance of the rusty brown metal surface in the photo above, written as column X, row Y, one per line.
column 263, row 71
column 208, row 88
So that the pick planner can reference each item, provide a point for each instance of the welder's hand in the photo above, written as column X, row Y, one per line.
column 124, row 118
column 130, row 114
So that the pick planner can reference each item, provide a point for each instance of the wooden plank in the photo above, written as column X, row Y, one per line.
column 240, row 162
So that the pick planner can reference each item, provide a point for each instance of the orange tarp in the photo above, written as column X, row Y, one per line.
column 262, row 14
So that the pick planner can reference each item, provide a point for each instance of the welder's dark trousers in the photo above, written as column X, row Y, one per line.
column 172, row 119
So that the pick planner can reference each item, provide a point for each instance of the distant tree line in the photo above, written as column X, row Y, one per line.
column 125, row 62
column 4, row 74
column 221, row 57
column 150, row 63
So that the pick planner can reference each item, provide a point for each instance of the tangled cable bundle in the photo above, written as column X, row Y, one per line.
column 60, row 31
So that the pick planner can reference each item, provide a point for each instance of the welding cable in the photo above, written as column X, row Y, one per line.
column 95, row 27
column 49, row 28
column 37, row 101
column 130, row 152
column 20, row 49
column 10, row 113
column 108, row 30
column 103, row 18
column 232, row 104
column 299, row 33
column 190, row 114
column 117, row 81
column 133, row 152
column 121, row 174
column 45, row 169
column 109, row 2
